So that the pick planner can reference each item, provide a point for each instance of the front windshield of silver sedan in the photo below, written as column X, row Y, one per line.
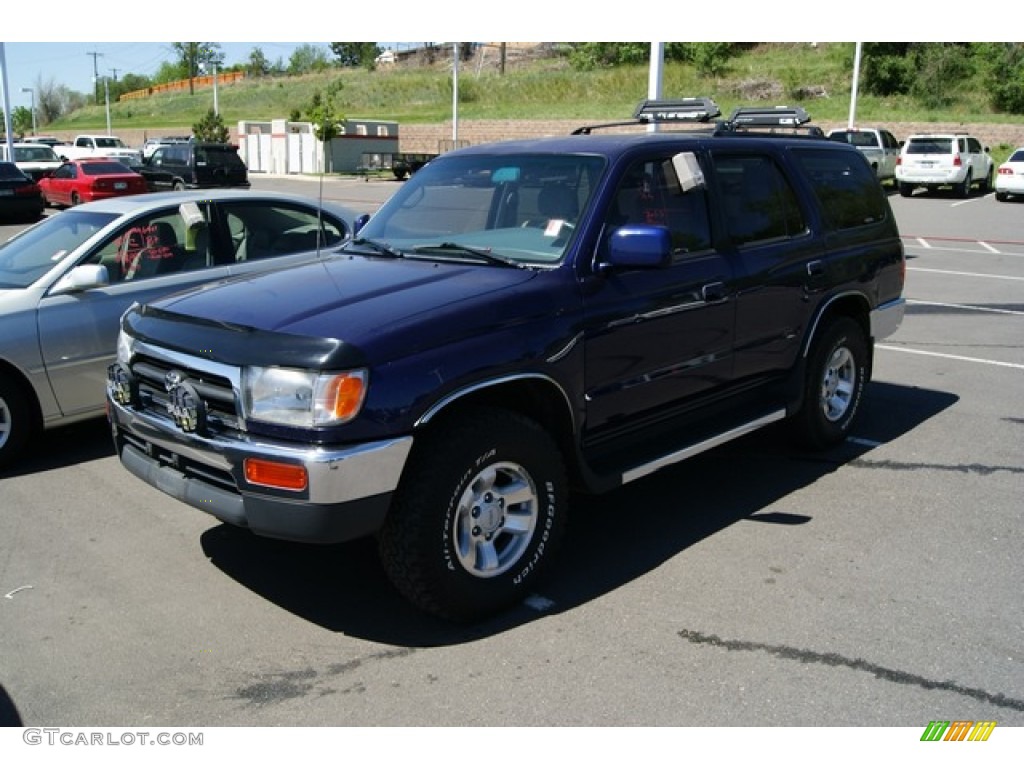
column 35, row 251
column 496, row 209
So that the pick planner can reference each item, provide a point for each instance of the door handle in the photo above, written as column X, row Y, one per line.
column 713, row 292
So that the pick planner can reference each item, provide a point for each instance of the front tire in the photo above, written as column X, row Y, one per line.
column 17, row 425
column 478, row 516
column 988, row 183
column 837, row 370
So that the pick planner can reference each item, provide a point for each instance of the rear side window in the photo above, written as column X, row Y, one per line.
column 856, row 138
column 757, row 198
column 846, row 188
column 218, row 157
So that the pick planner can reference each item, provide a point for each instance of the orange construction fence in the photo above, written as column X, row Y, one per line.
column 202, row 81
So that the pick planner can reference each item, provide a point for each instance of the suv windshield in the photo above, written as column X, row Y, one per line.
column 518, row 208
column 34, row 154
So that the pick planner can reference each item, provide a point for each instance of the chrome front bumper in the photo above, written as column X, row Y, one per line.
column 347, row 494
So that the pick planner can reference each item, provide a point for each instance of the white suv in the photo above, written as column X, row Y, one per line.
column 934, row 160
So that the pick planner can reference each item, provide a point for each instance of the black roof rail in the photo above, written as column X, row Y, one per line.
column 651, row 111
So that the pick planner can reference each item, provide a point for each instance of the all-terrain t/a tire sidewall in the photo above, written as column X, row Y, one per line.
column 844, row 343
column 424, row 541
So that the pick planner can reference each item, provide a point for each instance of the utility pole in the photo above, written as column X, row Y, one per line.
column 95, row 74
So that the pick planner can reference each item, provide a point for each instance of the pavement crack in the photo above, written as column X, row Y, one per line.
column 967, row 469
column 836, row 660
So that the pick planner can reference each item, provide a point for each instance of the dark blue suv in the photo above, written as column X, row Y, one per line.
column 518, row 320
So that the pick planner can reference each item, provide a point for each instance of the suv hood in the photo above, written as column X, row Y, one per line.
column 355, row 299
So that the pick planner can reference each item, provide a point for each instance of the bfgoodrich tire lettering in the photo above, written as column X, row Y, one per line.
column 837, row 371
column 478, row 515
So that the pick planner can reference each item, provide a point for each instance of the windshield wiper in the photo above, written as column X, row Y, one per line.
column 379, row 247
column 479, row 253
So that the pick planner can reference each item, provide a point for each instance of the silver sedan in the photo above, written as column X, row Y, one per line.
column 65, row 281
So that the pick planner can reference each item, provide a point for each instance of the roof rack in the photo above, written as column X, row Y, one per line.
column 769, row 120
column 655, row 111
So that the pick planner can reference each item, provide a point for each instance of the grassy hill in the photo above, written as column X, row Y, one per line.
column 545, row 88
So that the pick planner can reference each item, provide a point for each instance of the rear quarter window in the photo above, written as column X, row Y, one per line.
column 846, row 188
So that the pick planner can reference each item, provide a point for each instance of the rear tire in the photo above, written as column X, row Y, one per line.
column 963, row 189
column 1001, row 197
column 478, row 516
column 837, row 370
column 75, row 199
column 906, row 190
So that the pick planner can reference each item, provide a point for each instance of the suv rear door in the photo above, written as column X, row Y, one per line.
column 770, row 239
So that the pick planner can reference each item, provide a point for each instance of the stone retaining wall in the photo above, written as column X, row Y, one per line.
column 437, row 137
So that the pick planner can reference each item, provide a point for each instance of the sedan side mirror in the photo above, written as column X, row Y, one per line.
column 81, row 278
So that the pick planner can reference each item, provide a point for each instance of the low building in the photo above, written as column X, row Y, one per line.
column 283, row 146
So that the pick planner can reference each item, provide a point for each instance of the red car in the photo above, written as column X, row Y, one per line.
column 82, row 181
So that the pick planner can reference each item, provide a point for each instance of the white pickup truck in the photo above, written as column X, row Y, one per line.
column 89, row 145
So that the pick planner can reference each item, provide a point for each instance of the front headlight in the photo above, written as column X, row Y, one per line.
column 299, row 398
column 124, row 347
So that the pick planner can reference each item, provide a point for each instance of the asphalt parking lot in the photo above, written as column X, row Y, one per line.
column 878, row 584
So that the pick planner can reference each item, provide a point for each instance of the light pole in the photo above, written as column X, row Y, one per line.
column 32, row 91
column 106, row 97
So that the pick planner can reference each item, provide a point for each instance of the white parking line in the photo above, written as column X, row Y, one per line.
column 999, row 363
column 970, row 307
column 987, row 247
column 963, row 274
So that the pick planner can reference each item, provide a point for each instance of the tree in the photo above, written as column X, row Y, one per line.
column 888, row 68
column 1004, row 75
column 590, row 56
column 326, row 119
column 308, row 58
column 257, row 66
column 211, row 128
column 21, row 119
column 54, row 101
column 941, row 67
column 356, row 54
column 192, row 57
